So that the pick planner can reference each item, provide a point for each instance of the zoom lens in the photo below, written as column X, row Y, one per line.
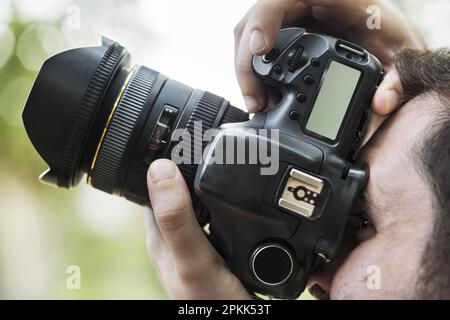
column 91, row 112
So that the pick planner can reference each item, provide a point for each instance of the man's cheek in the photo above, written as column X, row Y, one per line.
column 360, row 276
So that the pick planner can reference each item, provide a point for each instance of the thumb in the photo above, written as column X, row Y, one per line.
column 174, row 215
column 389, row 95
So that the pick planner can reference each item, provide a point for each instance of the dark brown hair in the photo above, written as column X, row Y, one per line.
column 428, row 72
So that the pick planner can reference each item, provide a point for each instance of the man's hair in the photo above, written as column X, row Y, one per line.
column 421, row 73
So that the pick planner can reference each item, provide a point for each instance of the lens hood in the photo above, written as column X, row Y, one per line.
column 63, row 104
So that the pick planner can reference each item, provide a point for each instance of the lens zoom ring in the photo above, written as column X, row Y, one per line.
column 85, row 114
column 120, row 129
column 233, row 114
column 206, row 110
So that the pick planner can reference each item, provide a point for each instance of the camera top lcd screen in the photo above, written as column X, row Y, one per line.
column 334, row 98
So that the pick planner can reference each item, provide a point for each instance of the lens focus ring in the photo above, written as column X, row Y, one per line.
column 120, row 128
column 206, row 109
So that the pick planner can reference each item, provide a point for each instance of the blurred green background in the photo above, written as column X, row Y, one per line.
column 44, row 230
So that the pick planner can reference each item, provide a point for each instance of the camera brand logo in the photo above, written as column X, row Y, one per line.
column 232, row 145
column 73, row 281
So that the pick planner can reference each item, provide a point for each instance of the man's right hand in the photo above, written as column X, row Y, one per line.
column 186, row 263
column 257, row 31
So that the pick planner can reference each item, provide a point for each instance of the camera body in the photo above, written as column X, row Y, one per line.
column 272, row 226
column 273, row 229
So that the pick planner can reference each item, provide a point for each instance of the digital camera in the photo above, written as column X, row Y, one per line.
column 92, row 112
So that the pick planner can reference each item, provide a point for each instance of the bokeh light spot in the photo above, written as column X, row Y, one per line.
column 12, row 100
column 42, row 10
column 5, row 12
column 29, row 49
column 7, row 42
column 52, row 40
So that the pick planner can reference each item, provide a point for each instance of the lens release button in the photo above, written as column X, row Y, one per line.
column 161, row 133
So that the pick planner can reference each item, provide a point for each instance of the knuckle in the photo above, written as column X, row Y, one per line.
column 199, row 270
column 170, row 218
column 190, row 274
column 162, row 186
column 243, row 67
column 265, row 6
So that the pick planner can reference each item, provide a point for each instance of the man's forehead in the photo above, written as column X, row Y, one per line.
column 421, row 109
column 396, row 189
column 410, row 124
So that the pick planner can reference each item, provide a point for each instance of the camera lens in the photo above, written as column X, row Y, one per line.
column 91, row 112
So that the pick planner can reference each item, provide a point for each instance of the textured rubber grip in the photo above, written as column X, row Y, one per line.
column 120, row 129
column 205, row 110
column 233, row 115
column 86, row 114
column 208, row 109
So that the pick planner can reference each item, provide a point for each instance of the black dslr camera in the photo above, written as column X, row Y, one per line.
column 91, row 112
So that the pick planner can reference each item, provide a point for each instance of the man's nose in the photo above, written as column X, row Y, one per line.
column 320, row 281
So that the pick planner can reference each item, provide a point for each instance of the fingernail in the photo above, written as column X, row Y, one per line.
column 257, row 43
column 162, row 169
column 251, row 103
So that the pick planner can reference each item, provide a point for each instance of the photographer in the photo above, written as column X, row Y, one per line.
column 407, row 198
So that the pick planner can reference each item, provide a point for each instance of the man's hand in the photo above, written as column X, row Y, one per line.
column 187, row 264
column 258, row 30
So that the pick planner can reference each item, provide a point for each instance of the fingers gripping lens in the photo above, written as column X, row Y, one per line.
column 119, row 128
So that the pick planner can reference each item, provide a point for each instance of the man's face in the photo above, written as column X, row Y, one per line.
column 385, row 259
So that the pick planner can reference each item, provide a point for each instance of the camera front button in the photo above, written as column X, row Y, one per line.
column 272, row 264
